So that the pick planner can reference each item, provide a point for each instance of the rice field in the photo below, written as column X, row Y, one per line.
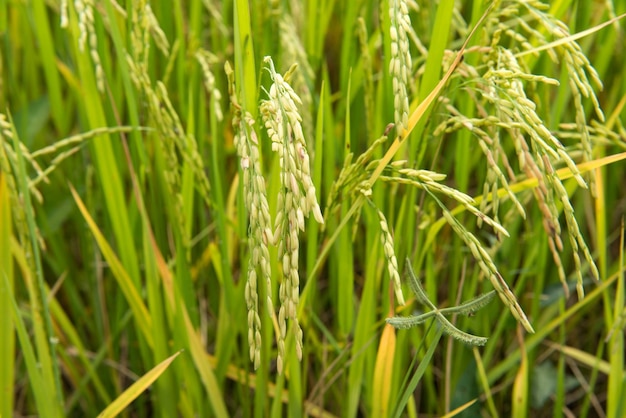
column 317, row 208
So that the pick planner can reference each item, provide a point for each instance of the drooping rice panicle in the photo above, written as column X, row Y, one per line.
column 293, row 51
column 400, row 62
column 506, row 91
column 296, row 200
column 488, row 267
column 205, row 59
column 429, row 181
column 575, row 237
column 259, row 227
column 64, row 13
column 160, row 40
column 386, row 240
column 84, row 11
column 581, row 74
column 483, row 130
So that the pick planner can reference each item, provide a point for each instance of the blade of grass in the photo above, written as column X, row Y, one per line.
column 589, row 360
column 383, row 372
column 417, row 376
column 168, row 398
column 348, row 57
column 559, row 396
column 41, row 390
column 7, row 330
column 484, row 382
column 224, row 346
column 45, row 339
column 460, row 409
column 616, row 405
column 129, row 93
column 318, row 15
column 105, row 159
column 296, row 389
column 463, row 150
column 195, row 344
column 245, row 68
column 328, row 176
column 363, row 327
column 3, row 18
column 68, row 331
column 137, row 388
column 141, row 313
column 520, row 385
column 313, row 226
column 344, row 255
column 47, row 54
column 175, row 303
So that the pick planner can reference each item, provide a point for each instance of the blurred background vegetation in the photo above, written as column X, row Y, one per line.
column 124, row 235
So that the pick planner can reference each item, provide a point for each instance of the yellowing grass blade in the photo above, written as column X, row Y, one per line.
column 460, row 409
column 383, row 372
column 7, row 342
column 137, row 388
column 520, row 387
column 574, row 37
column 565, row 173
column 588, row 359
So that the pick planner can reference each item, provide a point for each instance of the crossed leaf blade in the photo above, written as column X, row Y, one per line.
column 467, row 308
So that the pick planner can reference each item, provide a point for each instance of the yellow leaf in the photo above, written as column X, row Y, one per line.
column 137, row 388
column 520, row 388
column 383, row 372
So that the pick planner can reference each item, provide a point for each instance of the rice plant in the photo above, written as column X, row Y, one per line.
column 292, row 208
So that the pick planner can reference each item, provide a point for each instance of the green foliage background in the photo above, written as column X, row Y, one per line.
column 124, row 236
